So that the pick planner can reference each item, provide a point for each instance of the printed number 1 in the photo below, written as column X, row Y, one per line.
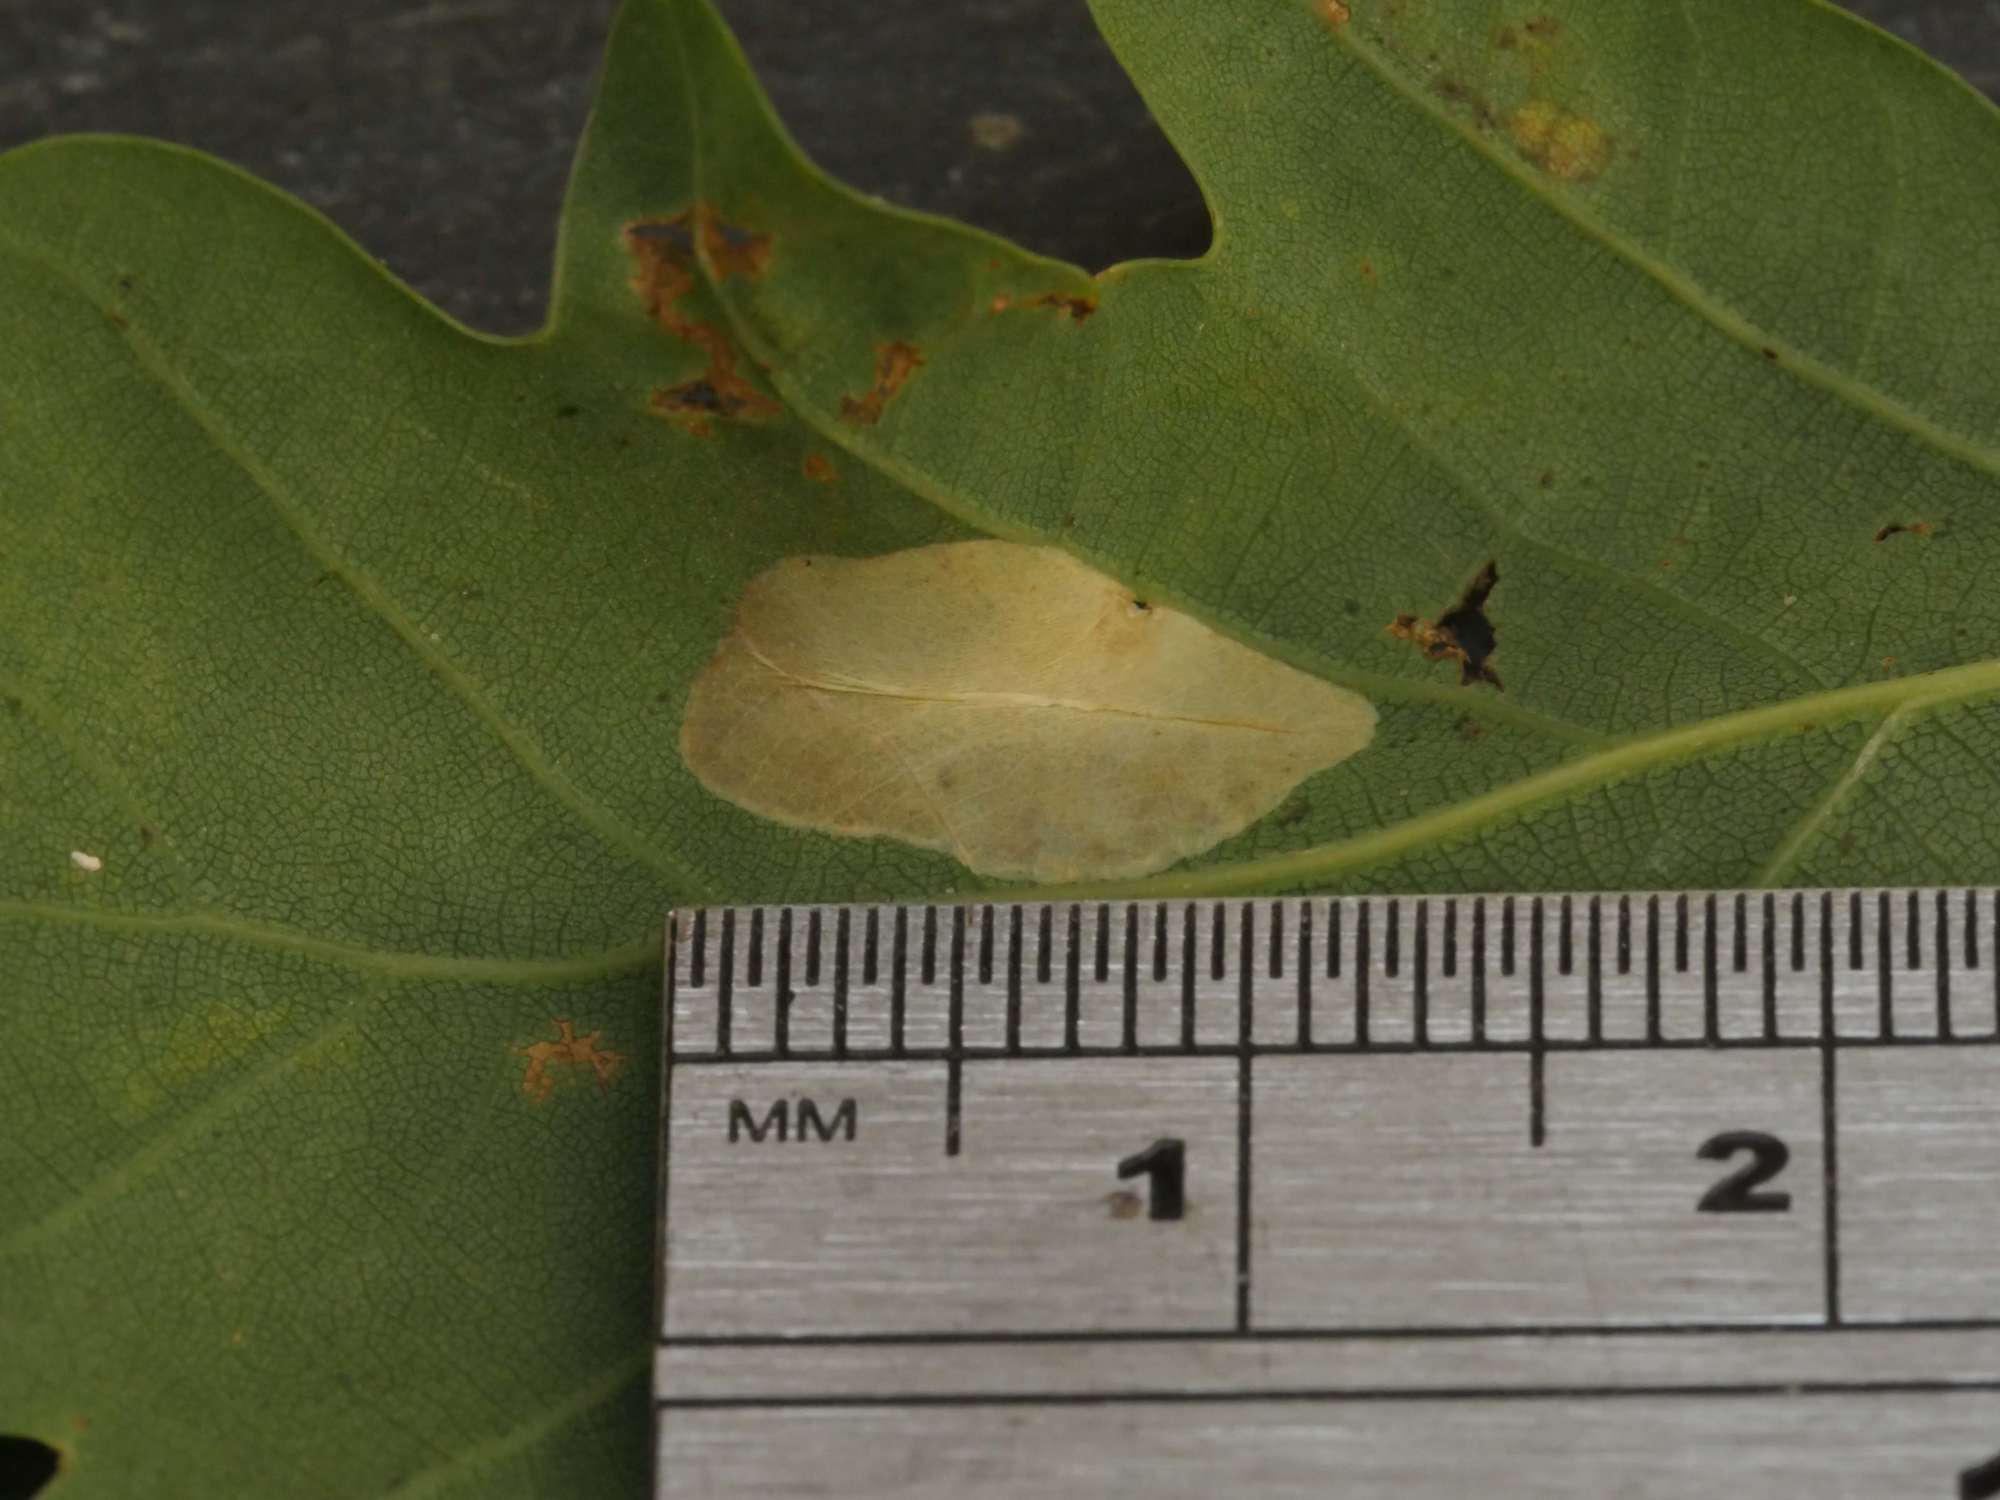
column 1164, row 1166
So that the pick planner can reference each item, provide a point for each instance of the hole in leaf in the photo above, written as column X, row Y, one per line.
column 26, row 1466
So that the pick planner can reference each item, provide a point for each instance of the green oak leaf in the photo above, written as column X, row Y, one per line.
column 351, row 646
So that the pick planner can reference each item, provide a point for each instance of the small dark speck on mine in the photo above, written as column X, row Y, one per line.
column 1350, row 606
column 568, row 411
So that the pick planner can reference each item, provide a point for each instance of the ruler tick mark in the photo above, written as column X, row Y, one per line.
column 1652, row 968
column 1421, row 990
column 1884, row 982
column 725, row 987
column 1594, row 958
column 1187, row 975
column 1711, row 985
column 1073, row 976
column 955, row 1063
column 899, row 957
column 1537, row 1058
column 1361, row 1018
column 1479, row 971
column 870, row 936
column 1305, row 973
column 782, row 1000
column 1769, row 958
column 840, row 946
column 1941, row 945
column 1129, row 1000
column 1013, row 975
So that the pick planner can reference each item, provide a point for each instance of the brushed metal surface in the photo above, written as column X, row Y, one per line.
column 1404, row 1191
column 1028, row 1228
column 1458, row 1198
column 1685, row 1447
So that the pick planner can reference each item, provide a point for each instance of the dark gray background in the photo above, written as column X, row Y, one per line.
column 438, row 132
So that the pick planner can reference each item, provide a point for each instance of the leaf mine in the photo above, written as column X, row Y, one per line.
column 1007, row 705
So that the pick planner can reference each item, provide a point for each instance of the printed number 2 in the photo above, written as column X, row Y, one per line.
column 1164, row 1166
column 1738, row 1192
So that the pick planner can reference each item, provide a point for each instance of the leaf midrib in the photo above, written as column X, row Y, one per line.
column 974, row 698
column 1906, row 697
column 390, row 963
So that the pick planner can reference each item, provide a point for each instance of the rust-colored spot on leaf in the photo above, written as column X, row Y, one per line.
column 819, row 467
column 1000, row 303
column 567, row 1050
column 1335, row 13
column 1543, row 26
column 1901, row 528
column 1078, row 308
column 1368, row 271
column 729, row 249
column 894, row 363
column 1559, row 141
column 663, row 257
column 1462, row 633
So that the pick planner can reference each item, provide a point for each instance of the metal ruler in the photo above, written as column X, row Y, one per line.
column 1597, row 1195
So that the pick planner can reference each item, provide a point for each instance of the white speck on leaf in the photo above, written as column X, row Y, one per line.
column 87, row 862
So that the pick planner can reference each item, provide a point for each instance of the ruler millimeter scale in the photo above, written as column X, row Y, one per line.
column 1634, row 1194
